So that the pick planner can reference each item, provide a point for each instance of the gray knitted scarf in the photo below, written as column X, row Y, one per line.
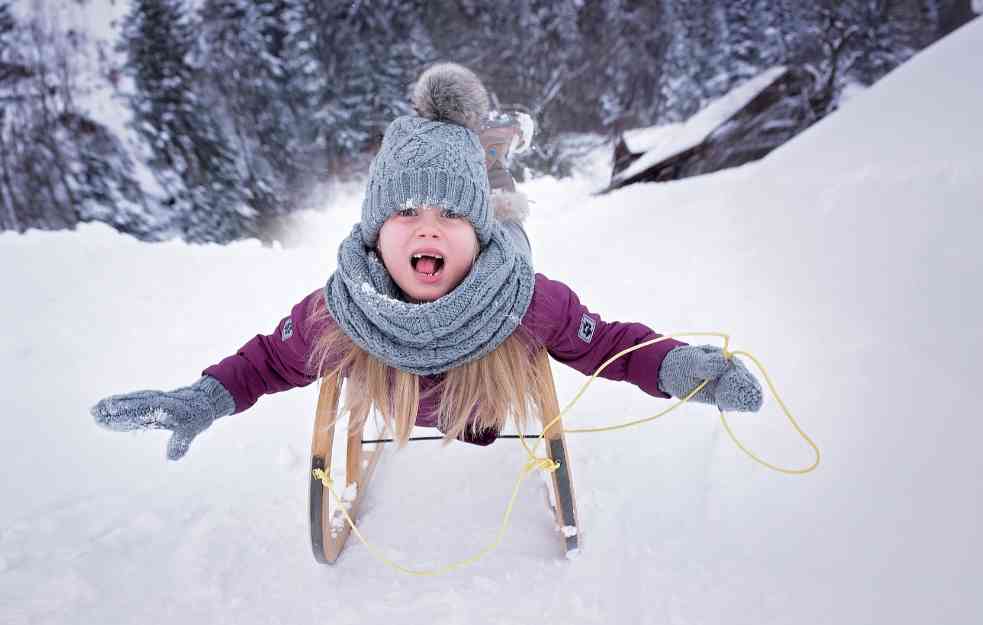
column 432, row 337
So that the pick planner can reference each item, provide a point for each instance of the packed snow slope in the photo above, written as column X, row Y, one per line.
column 848, row 261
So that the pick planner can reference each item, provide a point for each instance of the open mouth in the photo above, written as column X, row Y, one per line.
column 427, row 264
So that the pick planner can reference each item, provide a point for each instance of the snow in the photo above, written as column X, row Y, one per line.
column 528, row 127
column 347, row 497
column 678, row 138
column 641, row 140
column 844, row 260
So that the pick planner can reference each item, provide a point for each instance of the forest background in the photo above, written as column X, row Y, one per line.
column 215, row 120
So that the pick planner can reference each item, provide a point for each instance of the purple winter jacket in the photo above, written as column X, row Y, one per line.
column 555, row 318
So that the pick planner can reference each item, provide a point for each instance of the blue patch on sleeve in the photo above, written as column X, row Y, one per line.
column 288, row 329
column 587, row 325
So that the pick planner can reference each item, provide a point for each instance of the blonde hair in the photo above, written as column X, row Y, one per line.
column 507, row 382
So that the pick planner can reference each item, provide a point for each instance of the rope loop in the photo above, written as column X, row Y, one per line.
column 546, row 464
column 320, row 474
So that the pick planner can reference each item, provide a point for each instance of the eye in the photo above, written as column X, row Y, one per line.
column 406, row 212
column 449, row 214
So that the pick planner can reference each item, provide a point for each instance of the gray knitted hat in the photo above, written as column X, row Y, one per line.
column 434, row 158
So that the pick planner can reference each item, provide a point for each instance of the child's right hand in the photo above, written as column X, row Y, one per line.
column 186, row 411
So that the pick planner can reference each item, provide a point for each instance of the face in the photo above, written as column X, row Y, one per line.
column 427, row 251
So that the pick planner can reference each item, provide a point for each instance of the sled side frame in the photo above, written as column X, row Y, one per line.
column 327, row 541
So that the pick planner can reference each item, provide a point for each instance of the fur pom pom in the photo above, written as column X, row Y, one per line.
column 450, row 92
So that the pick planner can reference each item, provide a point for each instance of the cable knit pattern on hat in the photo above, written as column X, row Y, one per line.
column 427, row 163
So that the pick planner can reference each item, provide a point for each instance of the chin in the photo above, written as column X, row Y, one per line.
column 423, row 298
column 416, row 294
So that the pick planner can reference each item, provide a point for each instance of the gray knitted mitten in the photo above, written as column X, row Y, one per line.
column 731, row 387
column 186, row 411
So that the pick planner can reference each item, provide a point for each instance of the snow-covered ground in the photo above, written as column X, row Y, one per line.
column 849, row 261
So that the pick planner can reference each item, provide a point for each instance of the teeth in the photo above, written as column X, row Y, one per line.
column 417, row 257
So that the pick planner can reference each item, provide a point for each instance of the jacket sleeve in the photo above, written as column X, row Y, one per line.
column 270, row 363
column 580, row 338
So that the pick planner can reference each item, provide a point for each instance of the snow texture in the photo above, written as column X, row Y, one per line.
column 641, row 140
column 347, row 498
column 844, row 260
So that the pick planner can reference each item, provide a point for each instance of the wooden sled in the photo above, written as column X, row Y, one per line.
column 330, row 531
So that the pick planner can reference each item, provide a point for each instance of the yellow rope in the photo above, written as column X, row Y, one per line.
column 723, row 419
column 549, row 465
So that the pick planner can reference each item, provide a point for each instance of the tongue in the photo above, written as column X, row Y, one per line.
column 426, row 265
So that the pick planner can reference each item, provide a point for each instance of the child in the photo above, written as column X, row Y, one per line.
column 434, row 312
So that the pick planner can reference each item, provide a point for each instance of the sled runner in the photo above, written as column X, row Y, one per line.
column 330, row 531
column 564, row 504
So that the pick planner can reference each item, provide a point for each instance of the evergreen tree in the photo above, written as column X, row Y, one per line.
column 101, row 179
column 8, row 73
column 350, row 67
column 632, row 39
column 745, row 47
column 189, row 153
column 7, row 25
column 243, row 58
column 682, row 80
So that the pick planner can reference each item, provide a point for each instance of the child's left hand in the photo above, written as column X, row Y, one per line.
column 731, row 387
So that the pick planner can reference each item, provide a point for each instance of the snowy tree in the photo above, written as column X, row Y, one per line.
column 7, row 26
column 102, row 179
column 627, row 42
column 745, row 40
column 244, row 105
column 190, row 154
column 695, row 69
column 242, row 55
column 36, row 192
column 10, row 71
column 350, row 66
column 57, row 166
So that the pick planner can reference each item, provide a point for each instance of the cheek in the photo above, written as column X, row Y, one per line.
column 475, row 246
column 383, row 246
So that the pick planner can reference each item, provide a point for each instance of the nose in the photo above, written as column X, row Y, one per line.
column 429, row 224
